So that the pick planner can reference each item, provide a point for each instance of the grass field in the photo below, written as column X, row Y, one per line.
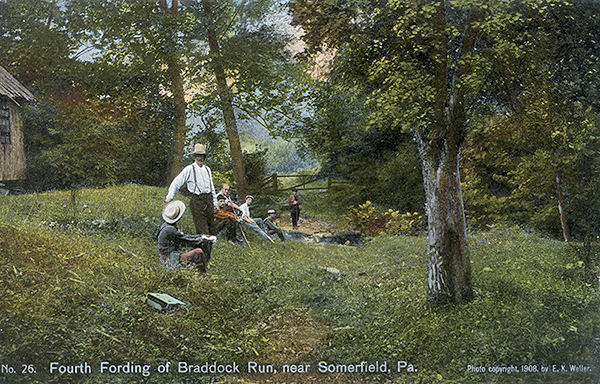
column 75, row 268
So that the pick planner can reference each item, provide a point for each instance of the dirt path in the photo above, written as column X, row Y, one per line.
column 293, row 340
column 309, row 226
column 294, row 337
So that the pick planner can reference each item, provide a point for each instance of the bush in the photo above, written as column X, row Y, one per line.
column 255, row 165
column 367, row 219
column 397, row 223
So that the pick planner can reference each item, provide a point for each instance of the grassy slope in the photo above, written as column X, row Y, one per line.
column 73, row 282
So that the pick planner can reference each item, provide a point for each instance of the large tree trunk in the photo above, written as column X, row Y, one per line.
column 179, row 120
column 227, row 107
column 179, row 112
column 448, row 264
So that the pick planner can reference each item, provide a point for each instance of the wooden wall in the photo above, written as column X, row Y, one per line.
column 12, row 154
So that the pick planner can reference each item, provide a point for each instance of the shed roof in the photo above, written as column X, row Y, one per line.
column 10, row 87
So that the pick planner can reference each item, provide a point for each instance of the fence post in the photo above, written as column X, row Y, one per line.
column 275, row 182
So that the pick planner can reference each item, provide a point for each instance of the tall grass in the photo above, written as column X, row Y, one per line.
column 74, row 279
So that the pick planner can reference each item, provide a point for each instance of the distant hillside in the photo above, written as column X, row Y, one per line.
column 282, row 156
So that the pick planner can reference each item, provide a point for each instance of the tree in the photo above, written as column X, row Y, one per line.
column 532, row 166
column 139, row 46
column 146, row 32
column 252, row 70
column 381, row 161
column 226, row 99
column 440, row 141
column 171, row 58
column 107, row 145
column 83, row 104
column 34, row 42
column 434, row 65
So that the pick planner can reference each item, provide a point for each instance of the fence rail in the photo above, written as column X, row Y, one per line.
column 273, row 182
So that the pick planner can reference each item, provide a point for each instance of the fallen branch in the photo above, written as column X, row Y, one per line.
column 120, row 246
column 109, row 336
column 75, row 257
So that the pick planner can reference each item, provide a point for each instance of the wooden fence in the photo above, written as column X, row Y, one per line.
column 273, row 183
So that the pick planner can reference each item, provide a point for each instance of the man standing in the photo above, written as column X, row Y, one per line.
column 294, row 205
column 197, row 179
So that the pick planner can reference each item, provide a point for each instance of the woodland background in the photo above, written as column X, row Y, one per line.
column 344, row 100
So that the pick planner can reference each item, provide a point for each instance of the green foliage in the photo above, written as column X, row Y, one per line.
column 380, row 160
column 285, row 157
column 34, row 44
column 94, row 122
column 74, row 293
column 513, row 165
column 385, row 77
column 104, row 141
column 366, row 218
column 255, row 165
column 397, row 223
column 267, row 86
column 110, row 119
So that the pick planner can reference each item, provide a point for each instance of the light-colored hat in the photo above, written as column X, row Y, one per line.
column 199, row 149
column 173, row 211
column 249, row 197
column 271, row 211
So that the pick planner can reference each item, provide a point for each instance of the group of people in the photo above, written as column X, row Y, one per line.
column 212, row 212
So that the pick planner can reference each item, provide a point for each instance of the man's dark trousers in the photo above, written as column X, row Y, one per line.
column 203, row 212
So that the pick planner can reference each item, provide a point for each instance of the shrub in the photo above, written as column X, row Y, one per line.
column 255, row 165
column 367, row 219
column 397, row 223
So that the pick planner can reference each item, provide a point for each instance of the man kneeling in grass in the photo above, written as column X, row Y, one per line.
column 170, row 238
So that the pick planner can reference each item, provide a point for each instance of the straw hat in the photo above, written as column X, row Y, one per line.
column 199, row 149
column 173, row 211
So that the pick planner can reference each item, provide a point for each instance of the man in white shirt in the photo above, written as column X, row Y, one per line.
column 245, row 208
column 249, row 222
column 197, row 179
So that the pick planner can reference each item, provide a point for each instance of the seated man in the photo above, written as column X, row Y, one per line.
column 269, row 226
column 225, row 188
column 249, row 222
column 226, row 219
column 170, row 238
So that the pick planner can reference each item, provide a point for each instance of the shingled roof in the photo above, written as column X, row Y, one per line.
column 10, row 87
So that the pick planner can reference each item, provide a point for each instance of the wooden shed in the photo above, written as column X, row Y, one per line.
column 13, row 95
